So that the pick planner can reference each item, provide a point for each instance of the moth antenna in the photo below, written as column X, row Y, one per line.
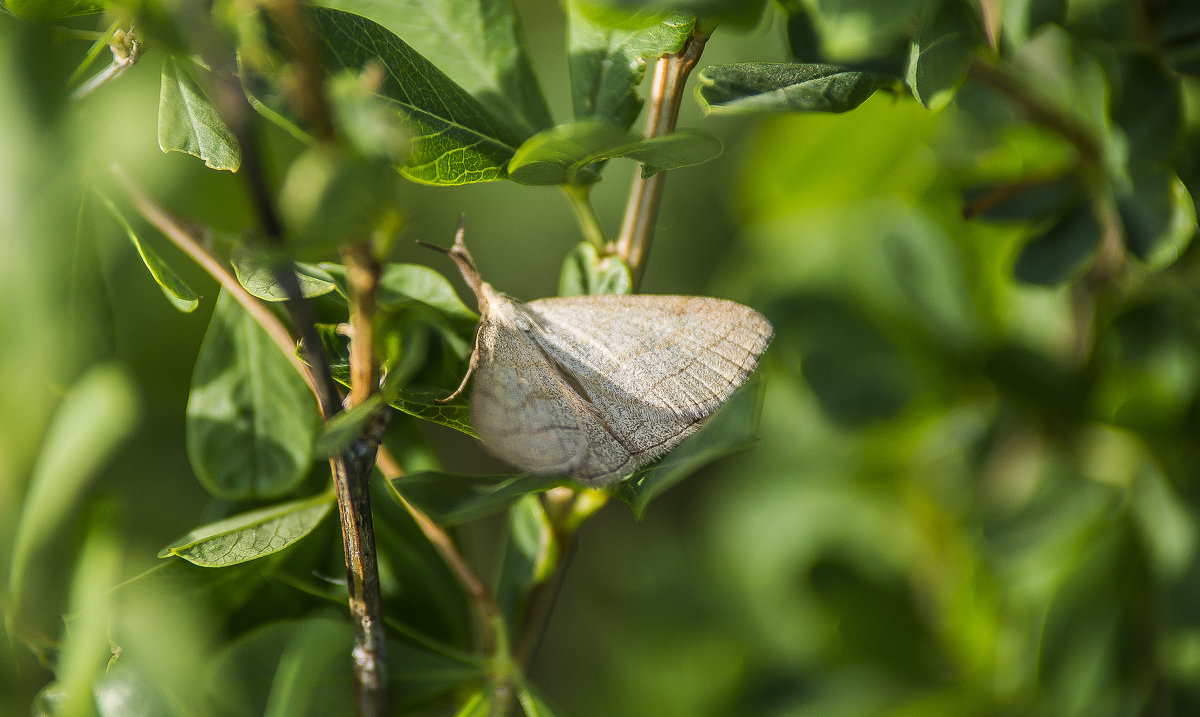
column 462, row 258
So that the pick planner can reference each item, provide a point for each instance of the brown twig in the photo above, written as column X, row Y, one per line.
column 662, row 111
column 478, row 593
column 188, row 238
column 351, row 468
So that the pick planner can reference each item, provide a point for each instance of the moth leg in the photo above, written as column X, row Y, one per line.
column 472, row 362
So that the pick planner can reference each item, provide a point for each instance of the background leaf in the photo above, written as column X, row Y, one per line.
column 562, row 155
column 529, row 557
column 1062, row 250
column 941, row 50
column 256, row 276
column 97, row 415
column 188, row 122
column 250, row 417
column 401, row 283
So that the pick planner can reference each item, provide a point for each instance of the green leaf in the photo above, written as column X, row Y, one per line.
column 174, row 288
column 479, row 704
column 1062, row 251
column 562, row 155
column 859, row 29
column 400, row 284
column 254, row 272
column 742, row 14
column 96, row 416
column 585, row 273
column 477, row 43
column 340, row 432
column 53, row 9
column 682, row 148
column 453, row 499
column 330, row 195
column 250, row 417
column 530, row 554
column 940, row 52
column 84, row 652
column 855, row 371
column 1020, row 18
column 804, row 43
column 608, row 60
column 782, row 87
column 456, row 140
column 1159, row 217
column 731, row 429
column 188, row 122
column 1148, row 106
column 248, row 536
column 532, row 703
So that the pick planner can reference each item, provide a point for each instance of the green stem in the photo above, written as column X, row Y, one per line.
column 589, row 223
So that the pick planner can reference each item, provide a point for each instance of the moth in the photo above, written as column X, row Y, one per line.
column 594, row 387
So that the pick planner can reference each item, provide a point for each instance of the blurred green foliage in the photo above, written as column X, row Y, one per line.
column 976, row 488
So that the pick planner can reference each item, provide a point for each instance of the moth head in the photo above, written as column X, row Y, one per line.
column 466, row 265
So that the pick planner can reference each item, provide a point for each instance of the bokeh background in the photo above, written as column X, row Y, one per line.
column 970, row 496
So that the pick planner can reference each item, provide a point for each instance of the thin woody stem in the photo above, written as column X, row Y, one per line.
column 351, row 468
column 188, row 239
column 662, row 111
column 478, row 593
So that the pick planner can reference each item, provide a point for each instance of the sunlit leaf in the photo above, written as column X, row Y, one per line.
column 249, row 536
column 250, row 417
column 456, row 140
column 477, row 44
column 782, row 87
column 255, row 273
column 188, row 122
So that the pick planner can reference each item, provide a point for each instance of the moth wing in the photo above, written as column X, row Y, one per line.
column 649, row 368
column 526, row 414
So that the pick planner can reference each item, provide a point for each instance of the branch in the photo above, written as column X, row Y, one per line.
column 351, row 468
column 186, row 237
column 645, row 195
column 478, row 592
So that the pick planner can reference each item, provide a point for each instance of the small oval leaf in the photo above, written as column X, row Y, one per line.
column 188, row 122
column 250, row 417
column 1061, row 251
column 251, row 535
